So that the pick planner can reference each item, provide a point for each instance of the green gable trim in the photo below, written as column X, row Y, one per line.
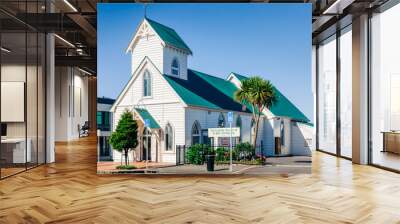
column 144, row 114
column 283, row 108
column 168, row 35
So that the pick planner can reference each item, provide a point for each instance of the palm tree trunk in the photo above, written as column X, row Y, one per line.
column 256, row 131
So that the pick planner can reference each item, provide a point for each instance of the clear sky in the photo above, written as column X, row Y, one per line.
column 269, row 40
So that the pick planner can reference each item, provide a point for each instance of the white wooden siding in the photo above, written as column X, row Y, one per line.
column 268, row 136
column 209, row 119
column 169, row 55
column 300, row 134
column 161, row 91
column 152, row 48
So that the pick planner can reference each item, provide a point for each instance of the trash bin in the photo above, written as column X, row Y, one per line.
column 210, row 162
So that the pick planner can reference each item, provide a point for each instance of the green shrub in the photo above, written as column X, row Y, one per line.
column 126, row 167
column 221, row 154
column 195, row 153
column 259, row 161
column 245, row 151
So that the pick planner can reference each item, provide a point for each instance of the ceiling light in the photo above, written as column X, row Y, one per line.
column 65, row 41
column 338, row 6
column 70, row 5
column 84, row 71
column 5, row 50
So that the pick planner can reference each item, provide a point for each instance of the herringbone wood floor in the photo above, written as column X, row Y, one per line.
column 69, row 191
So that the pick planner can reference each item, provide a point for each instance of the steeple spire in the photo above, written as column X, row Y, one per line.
column 145, row 10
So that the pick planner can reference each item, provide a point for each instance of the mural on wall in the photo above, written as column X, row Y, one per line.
column 171, row 119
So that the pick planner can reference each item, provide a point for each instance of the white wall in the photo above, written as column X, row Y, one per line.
column 161, row 90
column 149, row 46
column 164, row 105
column 268, row 136
column 209, row 119
column 301, row 143
column 71, row 103
column 169, row 55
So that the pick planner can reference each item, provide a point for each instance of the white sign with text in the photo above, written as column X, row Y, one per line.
column 223, row 132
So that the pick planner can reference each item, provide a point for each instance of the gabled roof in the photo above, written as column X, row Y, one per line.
column 283, row 107
column 105, row 100
column 168, row 35
column 144, row 114
column 203, row 90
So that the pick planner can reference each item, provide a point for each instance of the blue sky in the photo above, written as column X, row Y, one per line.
column 269, row 40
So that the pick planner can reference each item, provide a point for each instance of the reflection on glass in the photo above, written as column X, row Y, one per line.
column 14, row 153
column 327, row 95
column 22, row 91
column 385, row 85
column 346, row 92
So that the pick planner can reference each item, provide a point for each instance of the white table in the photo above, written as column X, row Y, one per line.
column 19, row 153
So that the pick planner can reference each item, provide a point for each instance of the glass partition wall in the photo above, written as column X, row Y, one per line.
column 345, row 61
column 385, row 89
column 334, row 116
column 22, row 107
column 327, row 95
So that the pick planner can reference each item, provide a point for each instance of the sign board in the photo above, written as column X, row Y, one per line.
column 230, row 116
column 223, row 132
column 147, row 123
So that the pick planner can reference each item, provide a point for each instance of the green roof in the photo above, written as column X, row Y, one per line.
column 144, row 114
column 168, row 35
column 283, row 107
column 203, row 90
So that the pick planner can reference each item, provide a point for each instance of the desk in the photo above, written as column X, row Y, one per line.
column 391, row 141
column 17, row 153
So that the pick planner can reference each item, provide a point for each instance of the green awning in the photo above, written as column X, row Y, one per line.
column 144, row 114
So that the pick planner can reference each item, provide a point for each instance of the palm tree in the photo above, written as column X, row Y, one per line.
column 258, row 93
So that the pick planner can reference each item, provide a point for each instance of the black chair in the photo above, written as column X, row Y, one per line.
column 84, row 130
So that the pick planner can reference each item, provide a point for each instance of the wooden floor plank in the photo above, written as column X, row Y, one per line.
column 70, row 191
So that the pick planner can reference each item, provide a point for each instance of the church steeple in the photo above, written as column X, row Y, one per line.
column 162, row 45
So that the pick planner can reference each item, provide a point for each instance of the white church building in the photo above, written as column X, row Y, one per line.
column 181, row 104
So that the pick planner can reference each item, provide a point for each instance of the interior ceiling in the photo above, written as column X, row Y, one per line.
column 77, row 22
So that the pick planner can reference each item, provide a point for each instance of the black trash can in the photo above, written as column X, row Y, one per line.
column 210, row 162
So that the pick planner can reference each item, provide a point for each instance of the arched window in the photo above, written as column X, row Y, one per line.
column 221, row 120
column 239, row 125
column 175, row 67
column 196, row 133
column 169, row 136
column 238, row 121
column 146, row 83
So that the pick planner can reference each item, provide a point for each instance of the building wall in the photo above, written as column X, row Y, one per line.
column 268, row 136
column 301, row 139
column 209, row 119
column 161, row 91
column 170, row 113
column 71, row 103
column 151, row 47
column 169, row 55
column 164, row 105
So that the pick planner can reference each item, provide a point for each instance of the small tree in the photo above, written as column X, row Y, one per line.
column 260, row 94
column 125, row 136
